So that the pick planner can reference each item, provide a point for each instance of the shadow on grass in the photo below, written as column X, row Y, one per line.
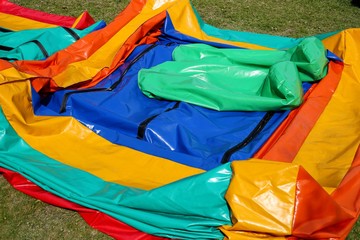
column 355, row 3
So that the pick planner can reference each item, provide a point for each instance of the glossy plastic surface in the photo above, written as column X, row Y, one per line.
column 40, row 43
column 236, row 80
column 182, row 132
column 255, row 199
column 199, row 199
column 15, row 17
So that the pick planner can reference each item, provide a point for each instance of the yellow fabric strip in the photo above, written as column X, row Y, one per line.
column 185, row 21
column 329, row 149
column 11, row 74
column 261, row 196
column 68, row 141
column 16, row 23
column 103, row 57
column 77, row 20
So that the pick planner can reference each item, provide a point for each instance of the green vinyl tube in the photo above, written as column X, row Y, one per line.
column 236, row 79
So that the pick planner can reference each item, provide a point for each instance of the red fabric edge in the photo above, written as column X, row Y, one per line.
column 65, row 21
column 94, row 218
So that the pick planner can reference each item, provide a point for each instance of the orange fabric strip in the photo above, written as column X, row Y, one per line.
column 283, row 146
column 78, row 51
column 137, row 38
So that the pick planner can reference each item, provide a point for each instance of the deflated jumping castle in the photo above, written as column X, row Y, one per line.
column 160, row 126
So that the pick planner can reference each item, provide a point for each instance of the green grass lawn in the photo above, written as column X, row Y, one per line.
column 22, row 217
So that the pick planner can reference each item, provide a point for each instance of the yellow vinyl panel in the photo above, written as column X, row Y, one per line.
column 330, row 147
column 261, row 196
column 17, row 23
column 11, row 74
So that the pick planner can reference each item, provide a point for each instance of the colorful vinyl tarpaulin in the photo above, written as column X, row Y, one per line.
column 236, row 80
column 78, row 126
